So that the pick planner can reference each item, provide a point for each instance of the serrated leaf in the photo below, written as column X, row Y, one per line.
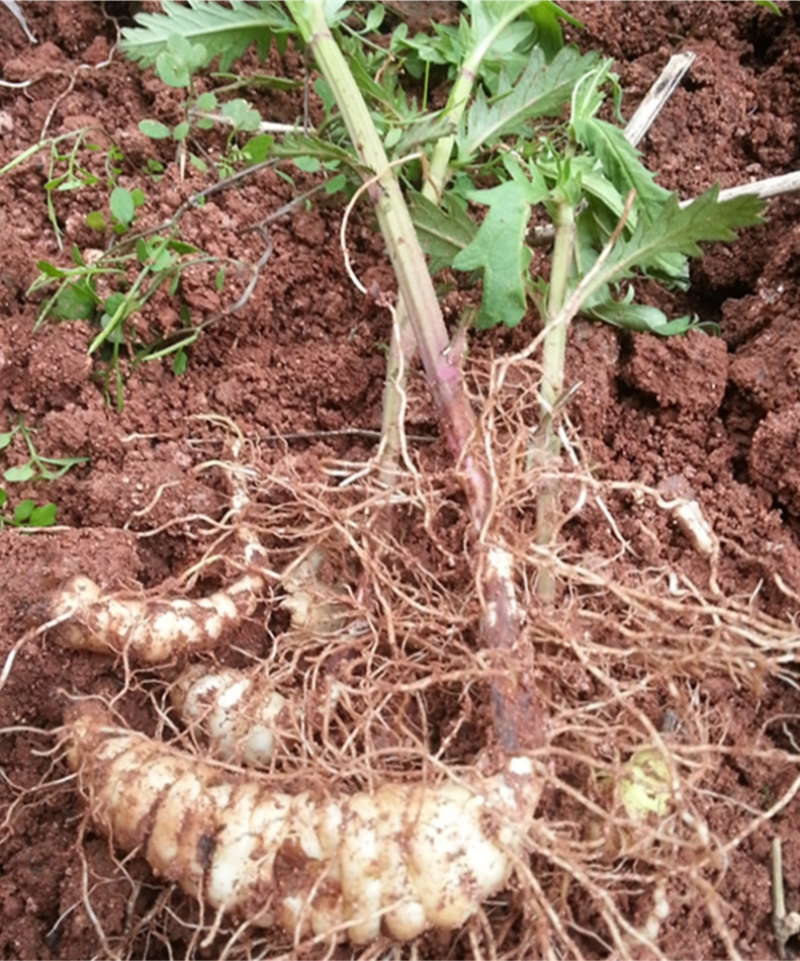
column 679, row 230
column 542, row 90
column 499, row 247
column 676, row 230
column 224, row 31
column 426, row 129
column 443, row 233
column 620, row 161
column 293, row 145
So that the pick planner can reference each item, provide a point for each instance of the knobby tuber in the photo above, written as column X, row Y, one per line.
column 397, row 861
column 150, row 630
column 240, row 714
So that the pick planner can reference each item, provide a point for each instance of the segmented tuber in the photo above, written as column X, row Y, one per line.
column 397, row 861
column 151, row 631
column 240, row 714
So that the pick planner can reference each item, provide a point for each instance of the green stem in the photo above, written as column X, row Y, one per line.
column 432, row 188
column 405, row 252
column 517, row 710
column 546, row 443
column 459, row 98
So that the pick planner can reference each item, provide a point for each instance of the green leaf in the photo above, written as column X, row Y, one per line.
column 309, row 165
column 163, row 260
column 138, row 197
column 199, row 164
column 75, row 302
column 3, row 498
column 375, row 17
column 499, row 246
column 219, row 279
column 680, row 229
column 44, row 516
column 427, row 129
column 48, row 269
column 207, row 101
column 113, row 303
column 639, row 317
column 542, row 90
column 18, row 475
column 5, row 439
column 179, row 60
column 443, row 231
column 62, row 463
column 335, row 184
column 294, row 145
column 181, row 247
column 179, row 362
column 23, row 511
column 181, row 131
column 154, row 129
column 122, row 205
column 258, row 148
column 96, row 221
column 620, row 161
column 587, row 95
column 224, row 31
column 676, row 230
column 241, row 114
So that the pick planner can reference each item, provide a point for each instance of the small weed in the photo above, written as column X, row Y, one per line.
column 27, row 514
column 175, row 65
column 159, row 262
column 66, row 169
column 37, row 467
column 122, row 205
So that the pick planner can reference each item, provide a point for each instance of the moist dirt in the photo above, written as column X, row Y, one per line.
column 299, row 369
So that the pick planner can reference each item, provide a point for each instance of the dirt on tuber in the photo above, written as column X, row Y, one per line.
column 398, row 861
column 152, row 631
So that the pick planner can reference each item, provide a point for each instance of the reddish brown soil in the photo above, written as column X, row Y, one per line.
column 304, row 360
